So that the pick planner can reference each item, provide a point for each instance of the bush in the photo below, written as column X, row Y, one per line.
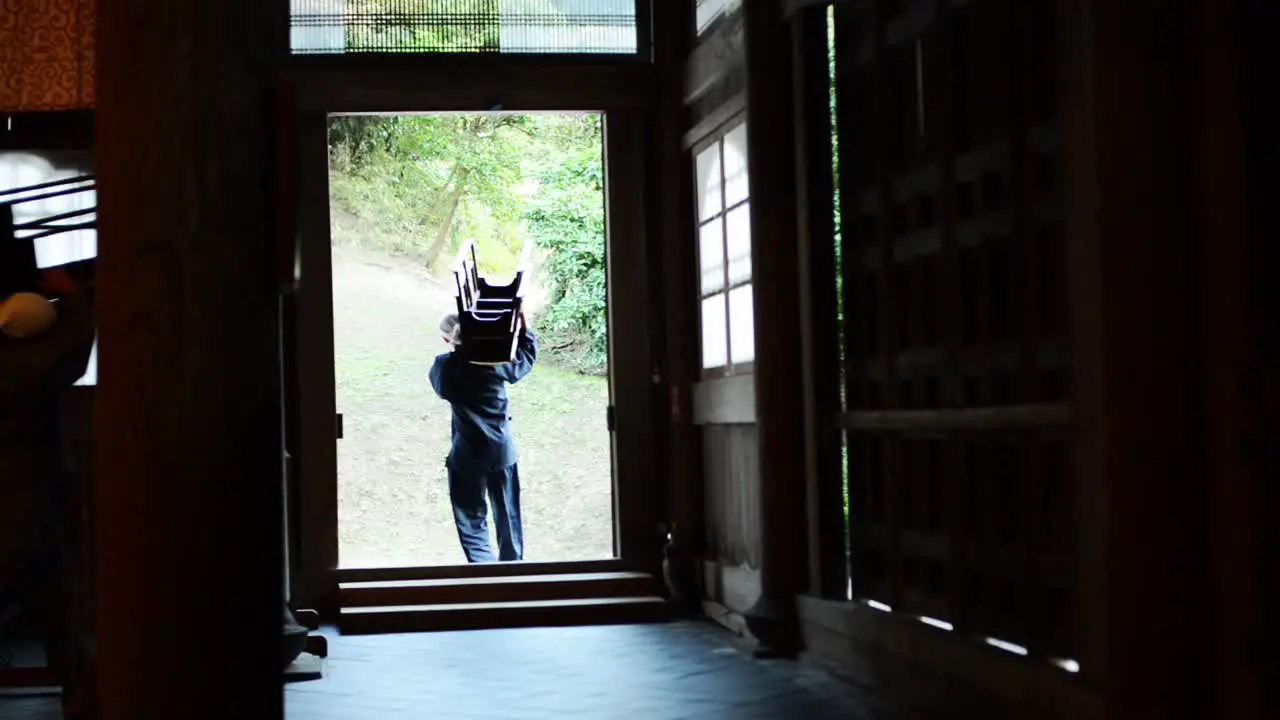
column 566, row 220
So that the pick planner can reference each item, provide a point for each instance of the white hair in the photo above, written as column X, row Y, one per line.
column 451, row 329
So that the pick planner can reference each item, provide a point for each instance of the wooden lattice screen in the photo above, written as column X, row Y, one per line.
column 568, row 27
column 955, row 350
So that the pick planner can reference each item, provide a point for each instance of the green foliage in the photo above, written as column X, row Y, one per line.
column 566, row 220
column 403, row 29
column 421, row 184
column 835, row 159
column 461, row 26
column 417, row 186
column 837, row 236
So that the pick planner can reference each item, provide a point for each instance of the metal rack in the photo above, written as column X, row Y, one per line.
column 17, row 239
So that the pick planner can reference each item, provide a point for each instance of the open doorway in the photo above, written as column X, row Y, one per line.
column 406, row 191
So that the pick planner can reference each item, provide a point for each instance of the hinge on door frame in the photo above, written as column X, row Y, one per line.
column 609, row 419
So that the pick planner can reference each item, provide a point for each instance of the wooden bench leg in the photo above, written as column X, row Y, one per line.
column 309, row 619
column 317, row 645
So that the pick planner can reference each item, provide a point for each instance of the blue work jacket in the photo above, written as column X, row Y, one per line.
column 481, row 432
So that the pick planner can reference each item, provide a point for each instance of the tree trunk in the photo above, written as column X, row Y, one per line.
column 456, row 173
column 446, row 224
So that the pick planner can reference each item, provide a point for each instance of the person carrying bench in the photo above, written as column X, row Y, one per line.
column 482, row 456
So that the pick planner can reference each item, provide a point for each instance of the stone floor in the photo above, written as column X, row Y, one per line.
column 649, row 672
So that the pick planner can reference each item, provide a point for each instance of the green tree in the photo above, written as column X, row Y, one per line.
column 420, row 184
column 467, row 26
column 433, row 166
column 462, row 26
column 566, row 219
column 483, row 156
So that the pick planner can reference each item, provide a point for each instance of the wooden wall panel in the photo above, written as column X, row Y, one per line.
column 957, row 392
column 731, row 471
column 722, row 407
column 727, row 400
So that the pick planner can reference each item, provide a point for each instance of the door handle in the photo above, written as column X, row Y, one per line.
column 337, row 425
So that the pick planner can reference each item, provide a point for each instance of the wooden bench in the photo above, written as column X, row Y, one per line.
column 489, row 313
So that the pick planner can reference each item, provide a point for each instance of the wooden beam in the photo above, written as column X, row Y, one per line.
column 725, row 113
column 397, row 83
column 715, row 57
column 975, row 418
column 188, row 502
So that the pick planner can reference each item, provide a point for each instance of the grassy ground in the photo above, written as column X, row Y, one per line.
column 393, row 497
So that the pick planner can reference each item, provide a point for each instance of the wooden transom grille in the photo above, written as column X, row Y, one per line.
column 564, row 27
column 957, row 385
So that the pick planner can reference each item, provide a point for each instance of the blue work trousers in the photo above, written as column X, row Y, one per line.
column 467, row 491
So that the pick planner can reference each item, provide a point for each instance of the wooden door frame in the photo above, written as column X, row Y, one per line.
column 636, row 457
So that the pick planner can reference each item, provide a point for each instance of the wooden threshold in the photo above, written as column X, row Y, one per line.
column 476, row 616
column 505, row 569
column 496, row 589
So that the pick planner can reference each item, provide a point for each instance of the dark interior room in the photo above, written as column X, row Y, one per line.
column 987, row 278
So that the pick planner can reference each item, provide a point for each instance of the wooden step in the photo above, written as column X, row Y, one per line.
column 528, row 588
column 497, row 569
column 480, row 616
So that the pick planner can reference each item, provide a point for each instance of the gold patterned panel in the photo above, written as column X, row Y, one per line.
column 46, row 54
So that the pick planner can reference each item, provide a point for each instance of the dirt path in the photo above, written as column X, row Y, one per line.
column 393, row 503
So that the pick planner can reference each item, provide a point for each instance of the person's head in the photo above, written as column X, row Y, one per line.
column 451, row 329
column 25, row 315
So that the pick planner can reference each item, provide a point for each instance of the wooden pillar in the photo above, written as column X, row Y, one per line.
column 1259, row 554
column 779, row 362
column 187, row 489
column 317, row 451
column 1139, row 474
column 1234, row 379
column 673, row 195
